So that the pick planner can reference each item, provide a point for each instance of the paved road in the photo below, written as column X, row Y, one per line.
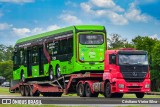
column 76, row 101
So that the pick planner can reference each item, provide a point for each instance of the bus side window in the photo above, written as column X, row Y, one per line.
column 34, row 55
column 70, row 45
column 21, row 57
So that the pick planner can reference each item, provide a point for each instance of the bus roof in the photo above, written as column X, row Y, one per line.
column 78, row 27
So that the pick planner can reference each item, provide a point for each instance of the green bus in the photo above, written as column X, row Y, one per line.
column 74, row 49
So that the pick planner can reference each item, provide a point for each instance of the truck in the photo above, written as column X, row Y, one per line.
column 125, row 71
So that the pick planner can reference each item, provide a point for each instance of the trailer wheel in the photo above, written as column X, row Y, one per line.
column 51, row 74
column 22, row 90
column 107, row 90
column 81, row 91
column 30, row 91
column 88, row 91
column 58, row 71
column 27, row 90
column 139, row 95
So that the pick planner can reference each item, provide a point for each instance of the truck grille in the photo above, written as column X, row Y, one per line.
column 134, row 73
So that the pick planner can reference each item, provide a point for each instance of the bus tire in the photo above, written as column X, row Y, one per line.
column 107, row 90
column 22, row 90
column 51, row 74
column 81, row 90
column 58, row 72
column 27, row 90
column 23, row 77
column 139, row 95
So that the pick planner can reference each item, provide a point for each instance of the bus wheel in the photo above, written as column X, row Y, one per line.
column 51, row 75
column 27, row 90
column 107, row 90
column 23, row 77
column 22, row 90
column 139, row 95
column 58, row 71
column 81, row 91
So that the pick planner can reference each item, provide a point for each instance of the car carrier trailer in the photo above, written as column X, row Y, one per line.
column 125, row 71
column 67, row 84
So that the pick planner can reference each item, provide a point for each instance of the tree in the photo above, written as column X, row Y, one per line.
column 6, row 68
column 116, row 42
column 144, row 43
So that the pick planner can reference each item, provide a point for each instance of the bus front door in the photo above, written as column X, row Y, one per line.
column 29, row 63
column 41, row 57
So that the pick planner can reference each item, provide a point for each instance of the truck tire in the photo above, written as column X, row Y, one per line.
column 22, row 90
column 81, row 91
column 88, row 91
column 107, row 90
column 58, row 71
column 51, row 74
column 139, row 95
column 27, row 90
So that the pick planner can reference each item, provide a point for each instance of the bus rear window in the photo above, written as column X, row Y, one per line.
column 91, row 39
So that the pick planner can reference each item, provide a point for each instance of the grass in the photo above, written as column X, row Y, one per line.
column 5, row 91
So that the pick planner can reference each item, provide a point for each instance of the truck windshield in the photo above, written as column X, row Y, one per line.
column 91, row 39
column 133, row 59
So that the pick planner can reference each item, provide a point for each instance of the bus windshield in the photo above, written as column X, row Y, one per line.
column 133, row 59
column 91, row 39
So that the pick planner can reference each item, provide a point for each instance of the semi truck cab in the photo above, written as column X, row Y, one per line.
column 126, row 71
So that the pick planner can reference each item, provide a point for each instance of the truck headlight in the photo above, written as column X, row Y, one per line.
column 147, row 85
column 120, row 85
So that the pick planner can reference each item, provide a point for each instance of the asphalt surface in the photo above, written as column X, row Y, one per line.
column 79, row 101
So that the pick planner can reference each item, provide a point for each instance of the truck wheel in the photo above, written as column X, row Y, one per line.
column 107, row 90
column 58, row 71
column 81, row 91
column 88, row 91
column 51, row 75
column 30, row 91
column 37, row 93
column 139, row 95
column 22, row 90
column 27, row 90
column 22, row 77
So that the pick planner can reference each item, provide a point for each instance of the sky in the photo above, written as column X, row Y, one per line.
column 128, row 18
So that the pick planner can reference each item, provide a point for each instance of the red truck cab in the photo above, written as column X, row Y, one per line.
column 126, row 71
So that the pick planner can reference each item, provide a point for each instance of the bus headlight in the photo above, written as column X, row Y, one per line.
column 120, row 85
column 147, row 85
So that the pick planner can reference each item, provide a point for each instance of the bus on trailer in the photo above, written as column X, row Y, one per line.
column 74, row 49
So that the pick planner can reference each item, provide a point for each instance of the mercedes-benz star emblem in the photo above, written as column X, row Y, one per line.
column 134, row 74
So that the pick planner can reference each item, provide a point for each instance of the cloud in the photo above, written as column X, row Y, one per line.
column 70, row 19
column 107, row 9
column 23, row 32
column 107, row 4
column 5, row 26
column 17, row 1
column 71, row 4
column 155, row 36
column 134, row 14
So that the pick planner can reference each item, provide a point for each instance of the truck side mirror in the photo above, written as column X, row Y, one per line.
column 112, row 59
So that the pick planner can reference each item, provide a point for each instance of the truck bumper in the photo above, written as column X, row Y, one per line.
column 121, row 86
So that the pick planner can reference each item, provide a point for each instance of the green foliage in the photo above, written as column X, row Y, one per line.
column 6, row 68
column 5, row 52
column 116, row 42
column 144, row 43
